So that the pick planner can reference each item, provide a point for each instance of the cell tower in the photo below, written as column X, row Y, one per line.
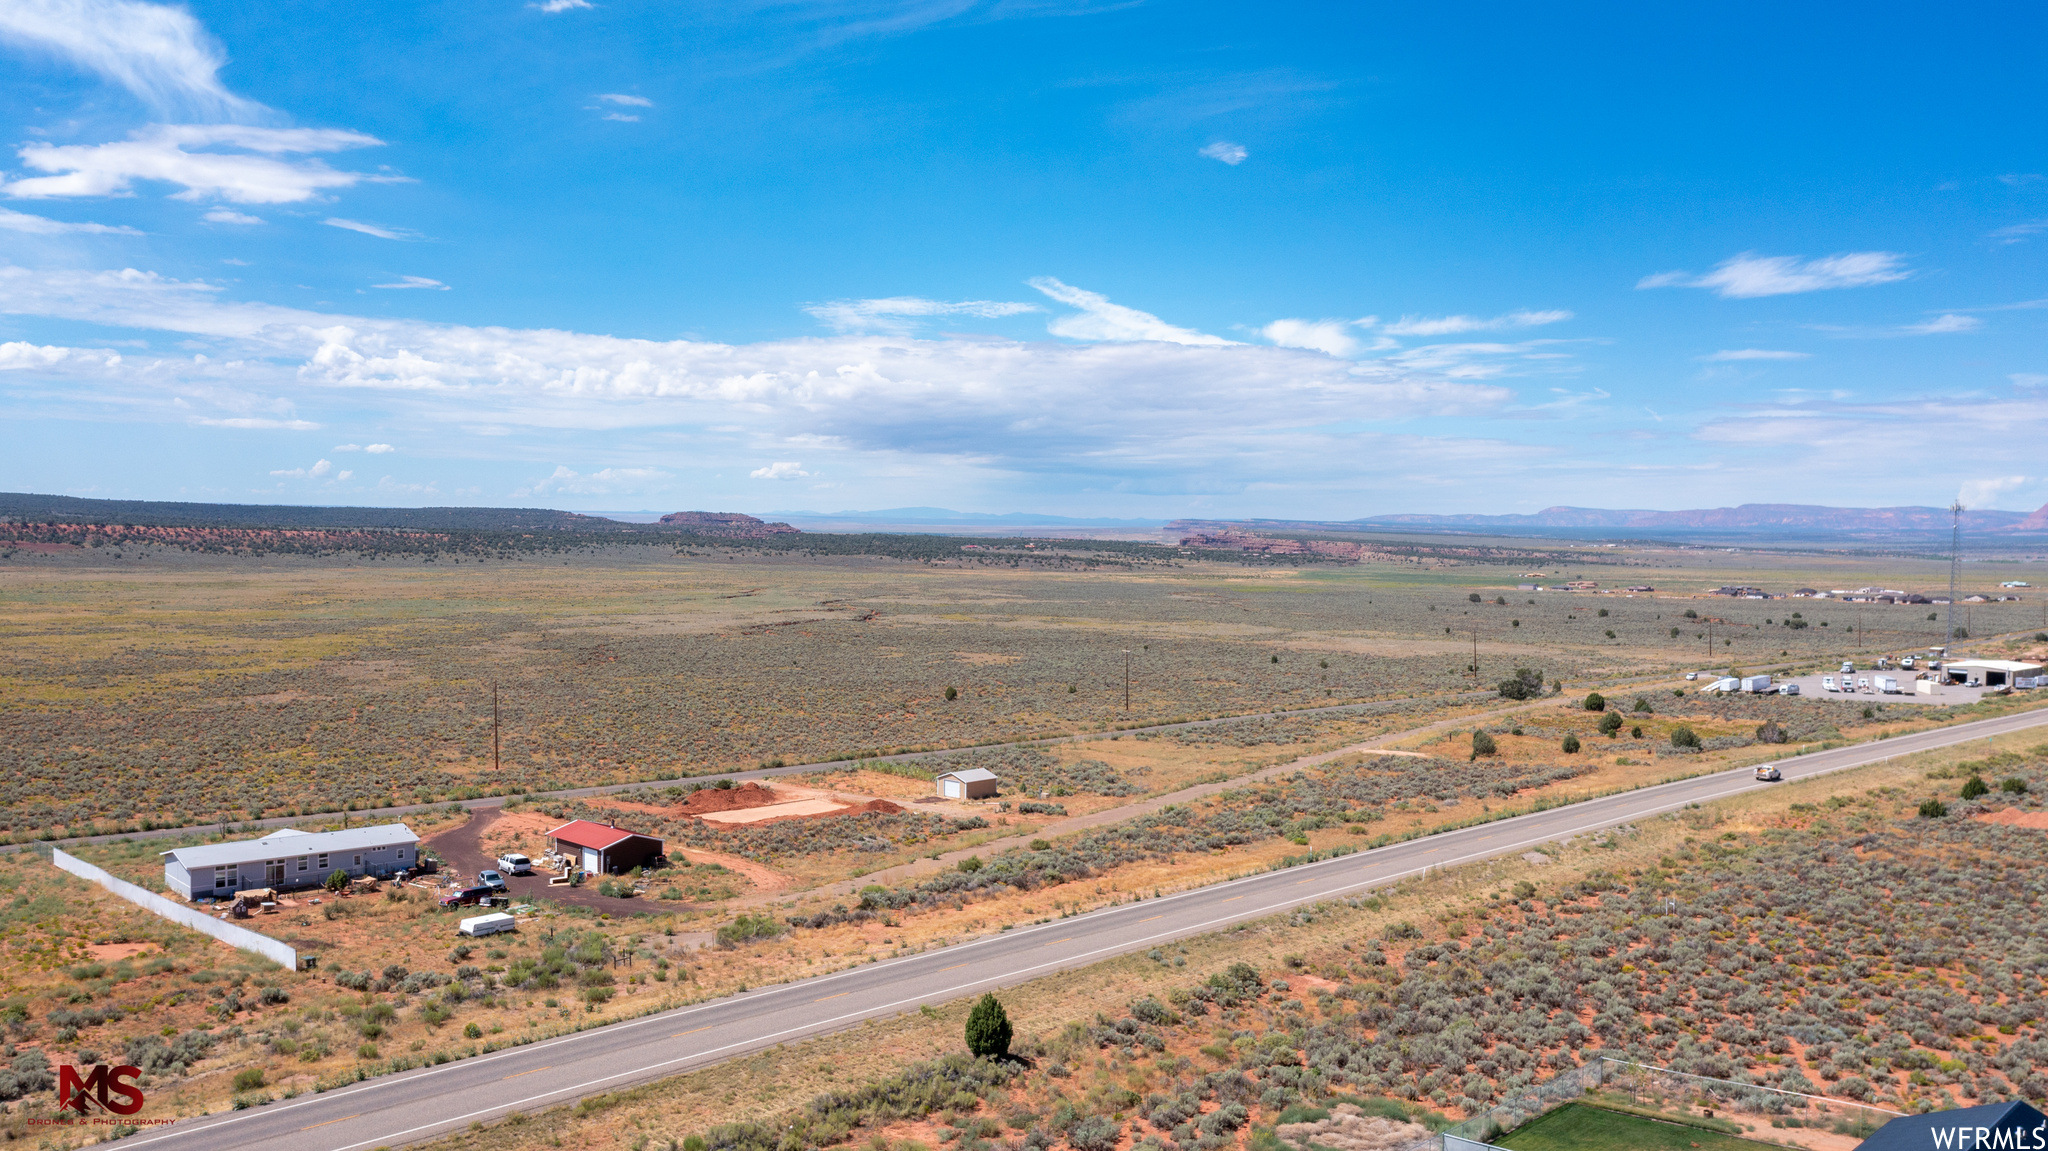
column 1955, row 571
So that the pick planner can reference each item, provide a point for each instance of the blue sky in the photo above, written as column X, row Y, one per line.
column 1082, row 258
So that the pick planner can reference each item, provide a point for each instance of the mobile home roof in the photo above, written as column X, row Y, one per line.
column 290, row 841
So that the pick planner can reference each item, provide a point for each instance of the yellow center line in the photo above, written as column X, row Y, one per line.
column 343, row 1119
column 1299, row 882
column 693, row 1031
column 955, row 967
column 1233, row 899
column 1057, row 942
column 823, row 998
column 1150, row 920
column 517, row 1074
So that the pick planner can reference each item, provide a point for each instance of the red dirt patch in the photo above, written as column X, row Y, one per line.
column 2014, row 817
column 728, row 799
column 108, row 952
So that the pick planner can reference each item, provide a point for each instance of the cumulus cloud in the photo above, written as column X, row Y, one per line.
column 421, row 282
column 13, row 221
column 376, row 230
column 1227, row 152
column 1451, row 325
column 252, row 173
column 1733, row 354
column 1151, row 413
column 1102, row 320
column 19, row 354
column 781, row 470
column 1982, row 492
column 899, row 313
column 312, row 473
column 230, row 216
column 1749, row 275
column 159, row 53
column 1332, row 336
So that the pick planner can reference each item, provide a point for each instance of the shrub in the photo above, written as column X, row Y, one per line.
column 1594, row 702
column 1571, row 745
column 2015, row 786
column 970, row 865
column 1683, row 736
column 988, row 1028
column 248, row 1078
column 1643, row 704
column 1933, row 809
column 748, row 928
column 1769, row 732
column 1974, row 787
column 952, row 693
column 1474, row 597
column 337, row 880
column 1610, row 724
column 1526, row 684
column 472, row 1031
column 1099, row 1132
column 1482, row 744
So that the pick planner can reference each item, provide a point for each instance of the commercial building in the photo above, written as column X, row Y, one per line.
column 1989, row 672
column 289, row 858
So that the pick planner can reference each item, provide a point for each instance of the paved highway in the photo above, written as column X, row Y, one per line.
column 426, row 1102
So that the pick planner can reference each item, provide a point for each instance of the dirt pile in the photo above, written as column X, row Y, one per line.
column 2014, row 817
column 878, row 806
column 739, row 798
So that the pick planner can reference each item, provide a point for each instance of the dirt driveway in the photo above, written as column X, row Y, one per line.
column 462, row 851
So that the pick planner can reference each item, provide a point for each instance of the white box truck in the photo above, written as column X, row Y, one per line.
column 1757, row 684
column 486, row 924
column 1888, row 685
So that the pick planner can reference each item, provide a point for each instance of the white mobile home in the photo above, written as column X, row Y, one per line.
column 289, row 858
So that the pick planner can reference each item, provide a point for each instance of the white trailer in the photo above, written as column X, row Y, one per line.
column 1757, row 684
column 1888, row 685
column 487, row 924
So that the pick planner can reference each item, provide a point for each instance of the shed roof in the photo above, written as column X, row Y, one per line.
column 595, row 836
column 2012, row 1124
column 969, row 775
column 2006, row 665
column 292, row 841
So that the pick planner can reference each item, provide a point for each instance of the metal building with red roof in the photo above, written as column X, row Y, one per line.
column 604, row 848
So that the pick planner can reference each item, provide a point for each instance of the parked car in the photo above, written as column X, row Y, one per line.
column 491, row 880
column 1769, row 773
column 465, row 897
column 515, row 864
column 1691, row 675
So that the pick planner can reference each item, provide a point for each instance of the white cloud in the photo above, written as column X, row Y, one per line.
column 415, row 282
column 160, row 153
column 602, row 482
column 344, row 477
column 1332, row 336
column 380, row 449
column 1749, row 275
column 783, row 470
column 313, row 473
column 14, row 221
column 1978, row 493
column 630, row 101
column 1227, row 152
column 1943, row 325
column 1450, row 325
column 2020, row 179
column 552, row 6
column 19, row 354
column 1753, row 354
column 897, row 313
column 1102, row 320
column 230, row 216
column 381, row 233
column 258, row 423
column 2014, row 233
column 348, row 447
column 622, row 117
column 158, row 52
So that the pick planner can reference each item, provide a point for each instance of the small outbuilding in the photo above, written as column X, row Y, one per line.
column 604, row 848
column 973, row 783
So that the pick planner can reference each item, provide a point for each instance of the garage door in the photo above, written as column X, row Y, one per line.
column 951, row 788
column 590, row 861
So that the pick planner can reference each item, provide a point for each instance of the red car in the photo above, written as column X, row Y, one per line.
column 467, row 895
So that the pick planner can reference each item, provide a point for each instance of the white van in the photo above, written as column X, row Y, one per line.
column 486, row 924
column 1827, row 683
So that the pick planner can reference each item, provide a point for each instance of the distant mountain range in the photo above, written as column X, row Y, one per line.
column 1748, row 519
column 949, row 518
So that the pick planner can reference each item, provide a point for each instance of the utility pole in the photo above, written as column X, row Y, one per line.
column 494, row 727
column 1475, row 655
column 1955, row 563
column 1127, row 679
